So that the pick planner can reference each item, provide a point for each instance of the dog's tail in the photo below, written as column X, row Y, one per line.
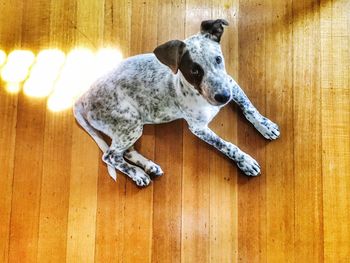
column 95, row 134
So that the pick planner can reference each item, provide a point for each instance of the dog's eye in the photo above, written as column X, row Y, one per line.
column 194, row 71
column 218, row 59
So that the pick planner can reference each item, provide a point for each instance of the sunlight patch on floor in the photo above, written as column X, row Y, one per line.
column 52, row 74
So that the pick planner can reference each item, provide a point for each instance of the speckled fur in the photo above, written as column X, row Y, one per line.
column 141, row 90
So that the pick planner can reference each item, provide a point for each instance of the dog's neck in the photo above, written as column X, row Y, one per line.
column 186, row 92
column 191, row 102
column 185, row 87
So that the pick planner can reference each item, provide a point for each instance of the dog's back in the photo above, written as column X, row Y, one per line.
column 139, row 83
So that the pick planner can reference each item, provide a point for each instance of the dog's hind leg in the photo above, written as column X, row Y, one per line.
column 123, row 138
column 114, row 157
column 150, row 167
column 95, row 134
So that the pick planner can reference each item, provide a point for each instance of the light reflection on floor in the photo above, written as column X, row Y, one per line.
column 54, row 75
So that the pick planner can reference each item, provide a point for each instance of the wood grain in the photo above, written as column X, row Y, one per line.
column 166, row 246
column 223, row 173
column 308, row 230
column 335, row 87
column 252, row 78
column 111, row 197
column 279, row 98
column 53, row 216
column 195, row 233
column 139, row 203
column 28, row 154
column 10, row 37
column 55, row 182
column 81, row 226
column 8, row 109
column 292, row 58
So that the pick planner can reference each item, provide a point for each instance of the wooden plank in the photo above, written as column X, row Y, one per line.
column 111, row 196
column 11, row 25
column 223, row 172
column 336, row 183
column 62, row 31
column 27, row 180
column 117, row 25
column 10, row 37
column 54, row 204
column 279, row 108
column 24, row 224
column 82, row 198
column 252, row 246
column 196, row 168
column 335, row 84
column 81, row 228
column 8, row 111
column 110, row 218
column 55, row 187
column 223, row 199
column 167, row 194
column 139, row 202
column 307, row 132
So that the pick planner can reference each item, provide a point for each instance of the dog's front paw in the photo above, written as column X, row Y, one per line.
column 248, row 165
column 268, row 129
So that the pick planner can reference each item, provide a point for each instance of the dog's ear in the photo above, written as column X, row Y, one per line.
column 214, row 28
column 170, row 54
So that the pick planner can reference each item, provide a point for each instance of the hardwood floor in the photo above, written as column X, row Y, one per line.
column 292, row 58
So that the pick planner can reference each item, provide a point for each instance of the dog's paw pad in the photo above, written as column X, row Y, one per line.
column 248, row 165
column 268, row 129
column 154, row 170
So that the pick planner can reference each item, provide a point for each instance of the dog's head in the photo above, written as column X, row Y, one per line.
column 200, row 61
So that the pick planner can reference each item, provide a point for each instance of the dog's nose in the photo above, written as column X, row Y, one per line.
column 222, row 98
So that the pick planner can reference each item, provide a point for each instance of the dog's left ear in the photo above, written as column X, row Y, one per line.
column 214, row 28
column 170, row 54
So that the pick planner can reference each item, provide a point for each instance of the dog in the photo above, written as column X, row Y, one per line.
column 179, row 80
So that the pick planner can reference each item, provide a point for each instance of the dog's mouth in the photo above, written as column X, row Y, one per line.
column 212, row 100
column 206, row 96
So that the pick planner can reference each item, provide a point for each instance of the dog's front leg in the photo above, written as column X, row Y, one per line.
column 245, row 162
column 266, row 127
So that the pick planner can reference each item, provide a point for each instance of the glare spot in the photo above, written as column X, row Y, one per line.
column 38, row 88
column 77, row 73
column 53, row 56
column 21, row 57
column 13, row 73
column 59, row 102
column 75, row 78
column 44, row 73
column 106, row 60
column 16, row 68
column 13, row 87
column 62, row 78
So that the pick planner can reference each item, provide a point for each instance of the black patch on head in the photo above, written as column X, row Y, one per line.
column 214, row 28
column 192, row 71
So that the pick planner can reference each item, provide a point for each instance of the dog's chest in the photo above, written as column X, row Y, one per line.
column 201, row 115
column 194, row 107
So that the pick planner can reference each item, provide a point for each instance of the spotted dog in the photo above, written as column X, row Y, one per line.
column 180, row 79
